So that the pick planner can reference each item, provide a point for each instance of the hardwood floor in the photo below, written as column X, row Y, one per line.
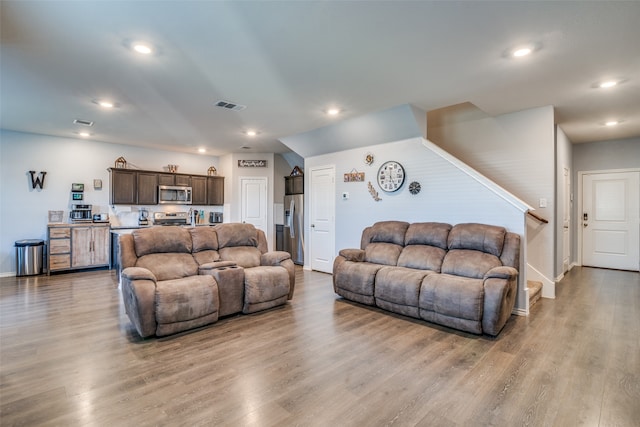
column 70, row 357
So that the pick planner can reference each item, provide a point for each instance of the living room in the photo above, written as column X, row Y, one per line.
column 496, row 131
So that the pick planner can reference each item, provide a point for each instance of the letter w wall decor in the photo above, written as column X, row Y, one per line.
column 37, row 181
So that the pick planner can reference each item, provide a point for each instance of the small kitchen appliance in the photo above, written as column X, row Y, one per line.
column 171, row 218
column 143, row 218
column 215, row 217
column 80, row 213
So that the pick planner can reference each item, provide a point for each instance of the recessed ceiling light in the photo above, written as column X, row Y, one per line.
column 611, row 123
column 608, row 84
column 333, row 111
column 202, row 150
column 142, row 48
column 105, row 103
column 84, row 134
column 251, row 133
column 523, row 51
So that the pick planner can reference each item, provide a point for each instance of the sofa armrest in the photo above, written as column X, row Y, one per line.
column 138, row 294
column 274, row 258
column 205, row 268
column 138, row 273
column 502, row 272
column 355, row 255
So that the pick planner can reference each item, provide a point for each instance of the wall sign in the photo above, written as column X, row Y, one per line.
column 252, row 163
column 37, row 181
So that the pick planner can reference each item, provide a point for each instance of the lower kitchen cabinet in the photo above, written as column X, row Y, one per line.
column 75, row 246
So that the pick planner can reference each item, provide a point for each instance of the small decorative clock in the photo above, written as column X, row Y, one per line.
column 414, row 188
column 391, row 176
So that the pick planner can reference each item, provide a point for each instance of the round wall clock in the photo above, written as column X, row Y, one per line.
column 414, row 188
column 391, row 176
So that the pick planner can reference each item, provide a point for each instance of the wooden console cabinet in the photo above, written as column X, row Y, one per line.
column 76, row 246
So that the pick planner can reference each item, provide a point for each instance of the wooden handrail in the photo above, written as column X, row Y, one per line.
column 539, row 218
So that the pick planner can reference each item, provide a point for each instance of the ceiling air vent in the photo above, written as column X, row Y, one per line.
column 230, row 105
column 82, row 122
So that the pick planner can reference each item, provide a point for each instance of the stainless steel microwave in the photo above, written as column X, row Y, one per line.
column 174, row 194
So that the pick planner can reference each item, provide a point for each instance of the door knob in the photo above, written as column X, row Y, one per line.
column 313, row 226
column 584, row 224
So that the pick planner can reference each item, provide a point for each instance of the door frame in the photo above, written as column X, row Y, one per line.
column 309, row 210
column 579, row 208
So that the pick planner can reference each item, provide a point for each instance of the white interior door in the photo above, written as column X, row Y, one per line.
column 253, row 194
column 566, row 221
column 322, row 218
column 610, row 220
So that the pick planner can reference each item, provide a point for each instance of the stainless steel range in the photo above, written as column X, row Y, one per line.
column 171, row 218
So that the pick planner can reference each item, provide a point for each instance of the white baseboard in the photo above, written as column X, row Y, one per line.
column 559, row 278
column 8, row 274
column 519, row 312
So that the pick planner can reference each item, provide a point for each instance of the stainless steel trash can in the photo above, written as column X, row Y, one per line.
column 29, row 257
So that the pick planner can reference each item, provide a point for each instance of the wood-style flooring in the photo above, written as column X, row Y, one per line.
column 70, row 357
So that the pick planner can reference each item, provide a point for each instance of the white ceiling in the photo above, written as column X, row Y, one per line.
column 287, row 61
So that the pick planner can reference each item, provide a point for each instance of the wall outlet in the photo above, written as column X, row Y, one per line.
column 345, row 196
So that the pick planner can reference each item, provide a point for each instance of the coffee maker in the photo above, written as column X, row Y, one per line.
column 81, row 213
column 143, row 217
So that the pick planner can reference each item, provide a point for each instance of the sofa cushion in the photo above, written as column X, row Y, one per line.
column 169, row 266
column 397, row 289
column 428, row 233
column 206, row 256
column 457, row 297
column 422, row 257
column 186, row 299
column 236, row 235
column 204, row 238
column 388, row 232
column 355, row 280
column 382, row 253
column 265, row 287
column 161, row 239
column 469, row 263
column 480, row 237
column 244, row 256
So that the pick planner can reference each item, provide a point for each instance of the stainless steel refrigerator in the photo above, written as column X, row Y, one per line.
column 294, row 227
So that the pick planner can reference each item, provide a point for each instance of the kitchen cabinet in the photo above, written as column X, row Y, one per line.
column 294, row 184
column 199, row 190
column 59, row 253
column 75, row 246
column 90, row 246
column 215, row 190
column 124, row 187
column 174, row 179
column 139, row 187
column 147, row 193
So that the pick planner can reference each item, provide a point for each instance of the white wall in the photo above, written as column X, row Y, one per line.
column 233, row 174
column 24, row 211
column 517, row 151
column 448, row 194
column 563, row 153
column 602, row 155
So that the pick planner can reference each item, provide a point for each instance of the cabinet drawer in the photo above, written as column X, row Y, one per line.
column 58, row 262
column 59, row 233
column 59, row 246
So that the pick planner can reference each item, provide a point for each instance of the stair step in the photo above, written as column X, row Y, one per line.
column 535, row 291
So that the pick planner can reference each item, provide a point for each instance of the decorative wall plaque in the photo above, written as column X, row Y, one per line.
column 252, row 163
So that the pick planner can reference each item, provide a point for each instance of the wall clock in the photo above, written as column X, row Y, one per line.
column 414, row 188
column 390, row 176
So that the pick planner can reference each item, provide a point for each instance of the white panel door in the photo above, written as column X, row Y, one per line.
column 322, row 218
column 610, row 220
column 253, row 193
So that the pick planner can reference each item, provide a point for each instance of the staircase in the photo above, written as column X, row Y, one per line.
column 535, row 291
